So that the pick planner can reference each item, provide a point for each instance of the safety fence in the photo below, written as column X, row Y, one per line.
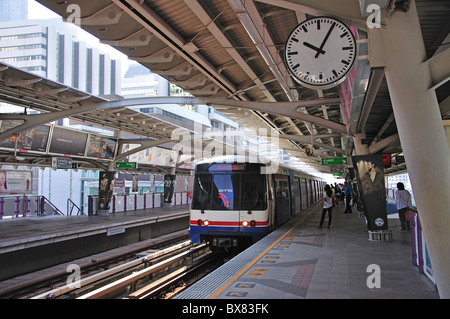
column 121, row 203
column 24, row 205
column 27, row 206
column 420, row 256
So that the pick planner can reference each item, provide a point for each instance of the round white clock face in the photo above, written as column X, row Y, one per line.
column 320, row 52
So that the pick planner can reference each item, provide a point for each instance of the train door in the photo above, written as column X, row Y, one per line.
column 304, row 194
column 282, row 199
column 295, row 196
column 254, row 198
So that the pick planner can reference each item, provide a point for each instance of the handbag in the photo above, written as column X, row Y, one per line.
column 407, row 214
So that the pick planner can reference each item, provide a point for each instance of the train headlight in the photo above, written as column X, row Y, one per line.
column 245, row 223
column 199, row 222
column 253, row 223
column 205, row 223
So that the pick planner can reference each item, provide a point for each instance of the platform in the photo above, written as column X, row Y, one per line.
column 300, row 260
column 31, row 243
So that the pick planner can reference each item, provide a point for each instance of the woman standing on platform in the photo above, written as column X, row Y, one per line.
column 403, row 198
column 327, row 205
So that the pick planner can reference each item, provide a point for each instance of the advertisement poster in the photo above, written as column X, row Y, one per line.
column 370, row 176
column 68, row 142
column 106, row 188
column 31, row 140
column 101, row 147
column 134, row 183
column 153, row 156
column 169, row 186
column 15, row 182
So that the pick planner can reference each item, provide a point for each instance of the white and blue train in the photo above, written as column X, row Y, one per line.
column 235, row 203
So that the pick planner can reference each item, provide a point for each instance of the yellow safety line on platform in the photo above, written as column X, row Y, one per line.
column 254, row 261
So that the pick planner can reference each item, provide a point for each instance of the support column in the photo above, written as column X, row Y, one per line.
column 399, row 46
column 360, row 148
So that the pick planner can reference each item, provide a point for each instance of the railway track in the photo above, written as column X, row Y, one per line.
column 32, row 284
column 150, row 276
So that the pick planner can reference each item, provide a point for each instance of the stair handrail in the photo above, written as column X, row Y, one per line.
column 56, row 210
column 69, row 202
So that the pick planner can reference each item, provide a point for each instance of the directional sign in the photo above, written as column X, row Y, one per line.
column 245, row 285
column 334, row 160
column 126, row 165
column 258, row 272
column 237, row 294
column 339, row 174
column 61, row 162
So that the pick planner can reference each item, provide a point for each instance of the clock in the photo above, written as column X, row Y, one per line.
column 320, row 52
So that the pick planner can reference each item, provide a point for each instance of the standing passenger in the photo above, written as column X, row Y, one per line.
column 327, row 205
column 348, row 196
column 403, row 198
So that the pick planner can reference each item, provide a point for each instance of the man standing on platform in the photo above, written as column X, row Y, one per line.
column 348, row 197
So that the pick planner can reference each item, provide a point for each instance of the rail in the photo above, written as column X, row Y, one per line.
column 26, row 205
column 123, row 203
column 152, row 265
column 45, row 200
column 420, row 256
column 71, row 205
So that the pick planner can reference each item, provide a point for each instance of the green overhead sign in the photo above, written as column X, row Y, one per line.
column 339, row 174
column 126, row 165
column 334, row 160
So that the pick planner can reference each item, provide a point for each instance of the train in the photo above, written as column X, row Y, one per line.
column 235, row 202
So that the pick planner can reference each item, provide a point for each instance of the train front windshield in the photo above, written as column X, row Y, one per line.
column 229, row 187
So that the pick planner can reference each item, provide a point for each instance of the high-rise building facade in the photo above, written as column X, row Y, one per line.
column 13, row 10
column 51, row 49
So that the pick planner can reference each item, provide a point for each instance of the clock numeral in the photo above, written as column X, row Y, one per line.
column 292, row 53
column 295, row 66
column 345, row 62
column 344, row 34
column 304, row 29
column 347, row 48
column 318, row 24
column 334, row 73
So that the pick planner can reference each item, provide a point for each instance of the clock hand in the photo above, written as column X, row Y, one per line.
column 325, row 40
column 306, row 44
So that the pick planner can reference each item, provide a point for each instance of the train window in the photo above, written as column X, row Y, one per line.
column 202, row 189
column 229, row 192
column 254, row 192
column 225, row 192
column 282, row 188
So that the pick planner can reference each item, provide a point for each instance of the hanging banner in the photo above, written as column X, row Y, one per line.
column 169, row 185
column 68, row 142
column 34, row 139
column 15, row 182
column 105, row 190
column 370, row 176
column 101, row 147
column 134, row 183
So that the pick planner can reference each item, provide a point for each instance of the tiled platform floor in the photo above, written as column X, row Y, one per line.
column 319, row 263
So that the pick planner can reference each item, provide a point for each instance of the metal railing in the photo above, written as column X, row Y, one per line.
column 25, row 205
column 122, row 203
column 419, row 247
column 70, row 207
